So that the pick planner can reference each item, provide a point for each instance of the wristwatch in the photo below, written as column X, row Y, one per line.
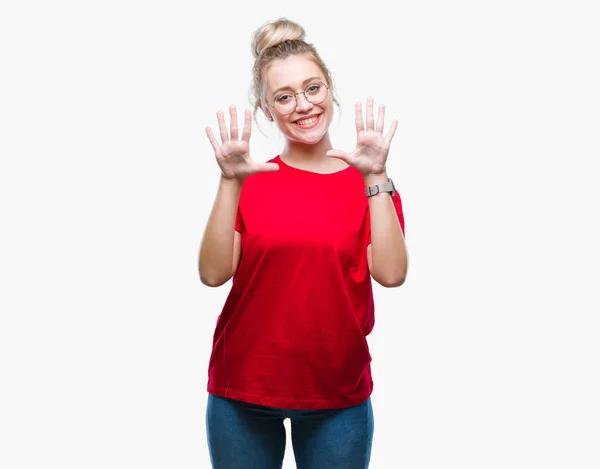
column 377, row 188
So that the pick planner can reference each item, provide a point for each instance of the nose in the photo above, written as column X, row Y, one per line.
column 302, row 104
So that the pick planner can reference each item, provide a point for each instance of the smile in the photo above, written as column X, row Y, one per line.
column 309, row 122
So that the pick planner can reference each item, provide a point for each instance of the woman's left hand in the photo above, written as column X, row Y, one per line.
column 371, row 152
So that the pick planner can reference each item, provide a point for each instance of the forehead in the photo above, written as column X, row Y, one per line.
column 291, row 72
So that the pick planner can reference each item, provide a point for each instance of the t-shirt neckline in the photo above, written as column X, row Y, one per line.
column 305, row 171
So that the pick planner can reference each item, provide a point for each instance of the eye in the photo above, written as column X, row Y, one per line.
column 313, row 88
column 284, row 98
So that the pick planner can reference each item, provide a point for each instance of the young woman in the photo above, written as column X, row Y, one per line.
column 301, row 235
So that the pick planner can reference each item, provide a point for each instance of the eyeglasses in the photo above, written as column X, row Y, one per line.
column 315, row 93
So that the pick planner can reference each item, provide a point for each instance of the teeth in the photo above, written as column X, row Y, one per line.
column 307, row 121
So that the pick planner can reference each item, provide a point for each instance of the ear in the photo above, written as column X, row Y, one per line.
column 265, row 109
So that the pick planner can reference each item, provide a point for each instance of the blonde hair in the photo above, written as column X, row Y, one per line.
column 280, row 39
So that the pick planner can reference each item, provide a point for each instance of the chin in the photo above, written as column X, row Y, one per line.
column 307, row 140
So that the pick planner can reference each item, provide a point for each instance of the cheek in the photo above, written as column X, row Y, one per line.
column 330, row 112
column 282, row 122
column 328, row 106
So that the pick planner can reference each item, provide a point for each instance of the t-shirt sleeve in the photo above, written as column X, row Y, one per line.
column 239, row 222
column 398, row 206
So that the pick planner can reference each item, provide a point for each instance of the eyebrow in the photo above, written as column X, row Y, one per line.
column 303, row 83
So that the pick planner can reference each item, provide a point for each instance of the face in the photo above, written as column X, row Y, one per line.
column 307, row 123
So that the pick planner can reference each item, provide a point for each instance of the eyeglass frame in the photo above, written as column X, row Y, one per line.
column 304, row 93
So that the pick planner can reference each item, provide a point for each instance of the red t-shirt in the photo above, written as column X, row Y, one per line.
column 292, row 332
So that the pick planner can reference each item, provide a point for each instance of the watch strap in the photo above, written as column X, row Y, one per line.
column 384, row 187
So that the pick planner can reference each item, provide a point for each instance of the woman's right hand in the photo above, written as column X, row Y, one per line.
column 233, row 155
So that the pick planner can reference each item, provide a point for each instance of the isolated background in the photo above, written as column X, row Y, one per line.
column 487, row 357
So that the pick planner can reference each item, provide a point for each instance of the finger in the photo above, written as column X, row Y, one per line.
column 391, row 132
column 222, row 126
column 267, row 167
column 380, row 117
column 360, row 124
column 370, row 118
column 234, row 122
column 342, row 155
column 247, row 125
column 212, row 139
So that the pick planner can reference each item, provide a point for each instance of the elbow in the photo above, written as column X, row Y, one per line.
column 212, row 275
column 212, row 279
column 393, row 282
column 393, row 279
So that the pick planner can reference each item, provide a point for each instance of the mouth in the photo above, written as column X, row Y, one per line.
column 309, row 121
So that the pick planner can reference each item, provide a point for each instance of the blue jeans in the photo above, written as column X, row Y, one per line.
column 250, row 436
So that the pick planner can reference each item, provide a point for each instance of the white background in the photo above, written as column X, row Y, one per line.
column 487, row 357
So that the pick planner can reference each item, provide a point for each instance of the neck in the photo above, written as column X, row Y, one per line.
column 302, row 154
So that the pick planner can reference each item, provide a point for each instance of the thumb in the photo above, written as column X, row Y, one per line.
column 342, row 155
column 267, row 167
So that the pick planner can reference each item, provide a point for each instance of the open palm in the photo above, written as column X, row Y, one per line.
column 372, row 148
column 233, row 154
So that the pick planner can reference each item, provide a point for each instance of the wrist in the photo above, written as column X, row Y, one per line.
column 379, row 178
column 230, row 182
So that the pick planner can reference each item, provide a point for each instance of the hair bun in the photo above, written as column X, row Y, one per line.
column 275, row 32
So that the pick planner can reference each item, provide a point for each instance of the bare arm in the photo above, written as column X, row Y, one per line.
column 386, row 255
column 221, row 244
